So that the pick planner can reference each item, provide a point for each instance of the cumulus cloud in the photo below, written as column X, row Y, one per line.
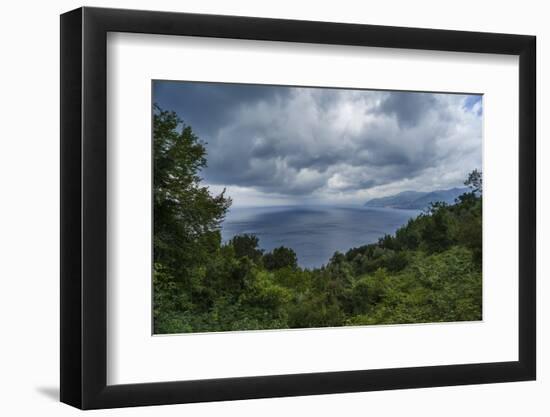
column 328, row 145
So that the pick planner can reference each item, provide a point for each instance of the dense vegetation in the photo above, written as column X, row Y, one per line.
column 429, row 271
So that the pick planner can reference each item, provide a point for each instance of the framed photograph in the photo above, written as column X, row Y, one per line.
column 257, row 208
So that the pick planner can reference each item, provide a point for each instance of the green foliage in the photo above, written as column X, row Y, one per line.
column 428, row 271
column 280, row 258
column 436, row 236
column 475, row 181
column 186, row 216
column 433, row 288
column 247, row 245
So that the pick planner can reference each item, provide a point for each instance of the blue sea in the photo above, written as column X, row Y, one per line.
column 314, row 232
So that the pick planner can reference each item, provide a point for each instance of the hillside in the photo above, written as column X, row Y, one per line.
column 417, row 200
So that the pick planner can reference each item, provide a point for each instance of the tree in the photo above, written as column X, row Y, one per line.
column 436, row 235
column 475, row 181
column 280, row 258
column 186, row 216
column 247, row 245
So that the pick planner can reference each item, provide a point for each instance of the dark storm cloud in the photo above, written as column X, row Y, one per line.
column 209, row 106
column 328, row 142
column 408, row 108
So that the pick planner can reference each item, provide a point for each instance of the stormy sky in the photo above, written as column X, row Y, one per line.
column 271, row 145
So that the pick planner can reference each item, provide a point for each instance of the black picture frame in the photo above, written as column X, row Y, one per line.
column 84, row 207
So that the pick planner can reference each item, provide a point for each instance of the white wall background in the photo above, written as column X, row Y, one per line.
column 29, row 225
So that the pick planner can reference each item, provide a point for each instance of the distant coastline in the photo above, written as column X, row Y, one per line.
column 417, row 200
